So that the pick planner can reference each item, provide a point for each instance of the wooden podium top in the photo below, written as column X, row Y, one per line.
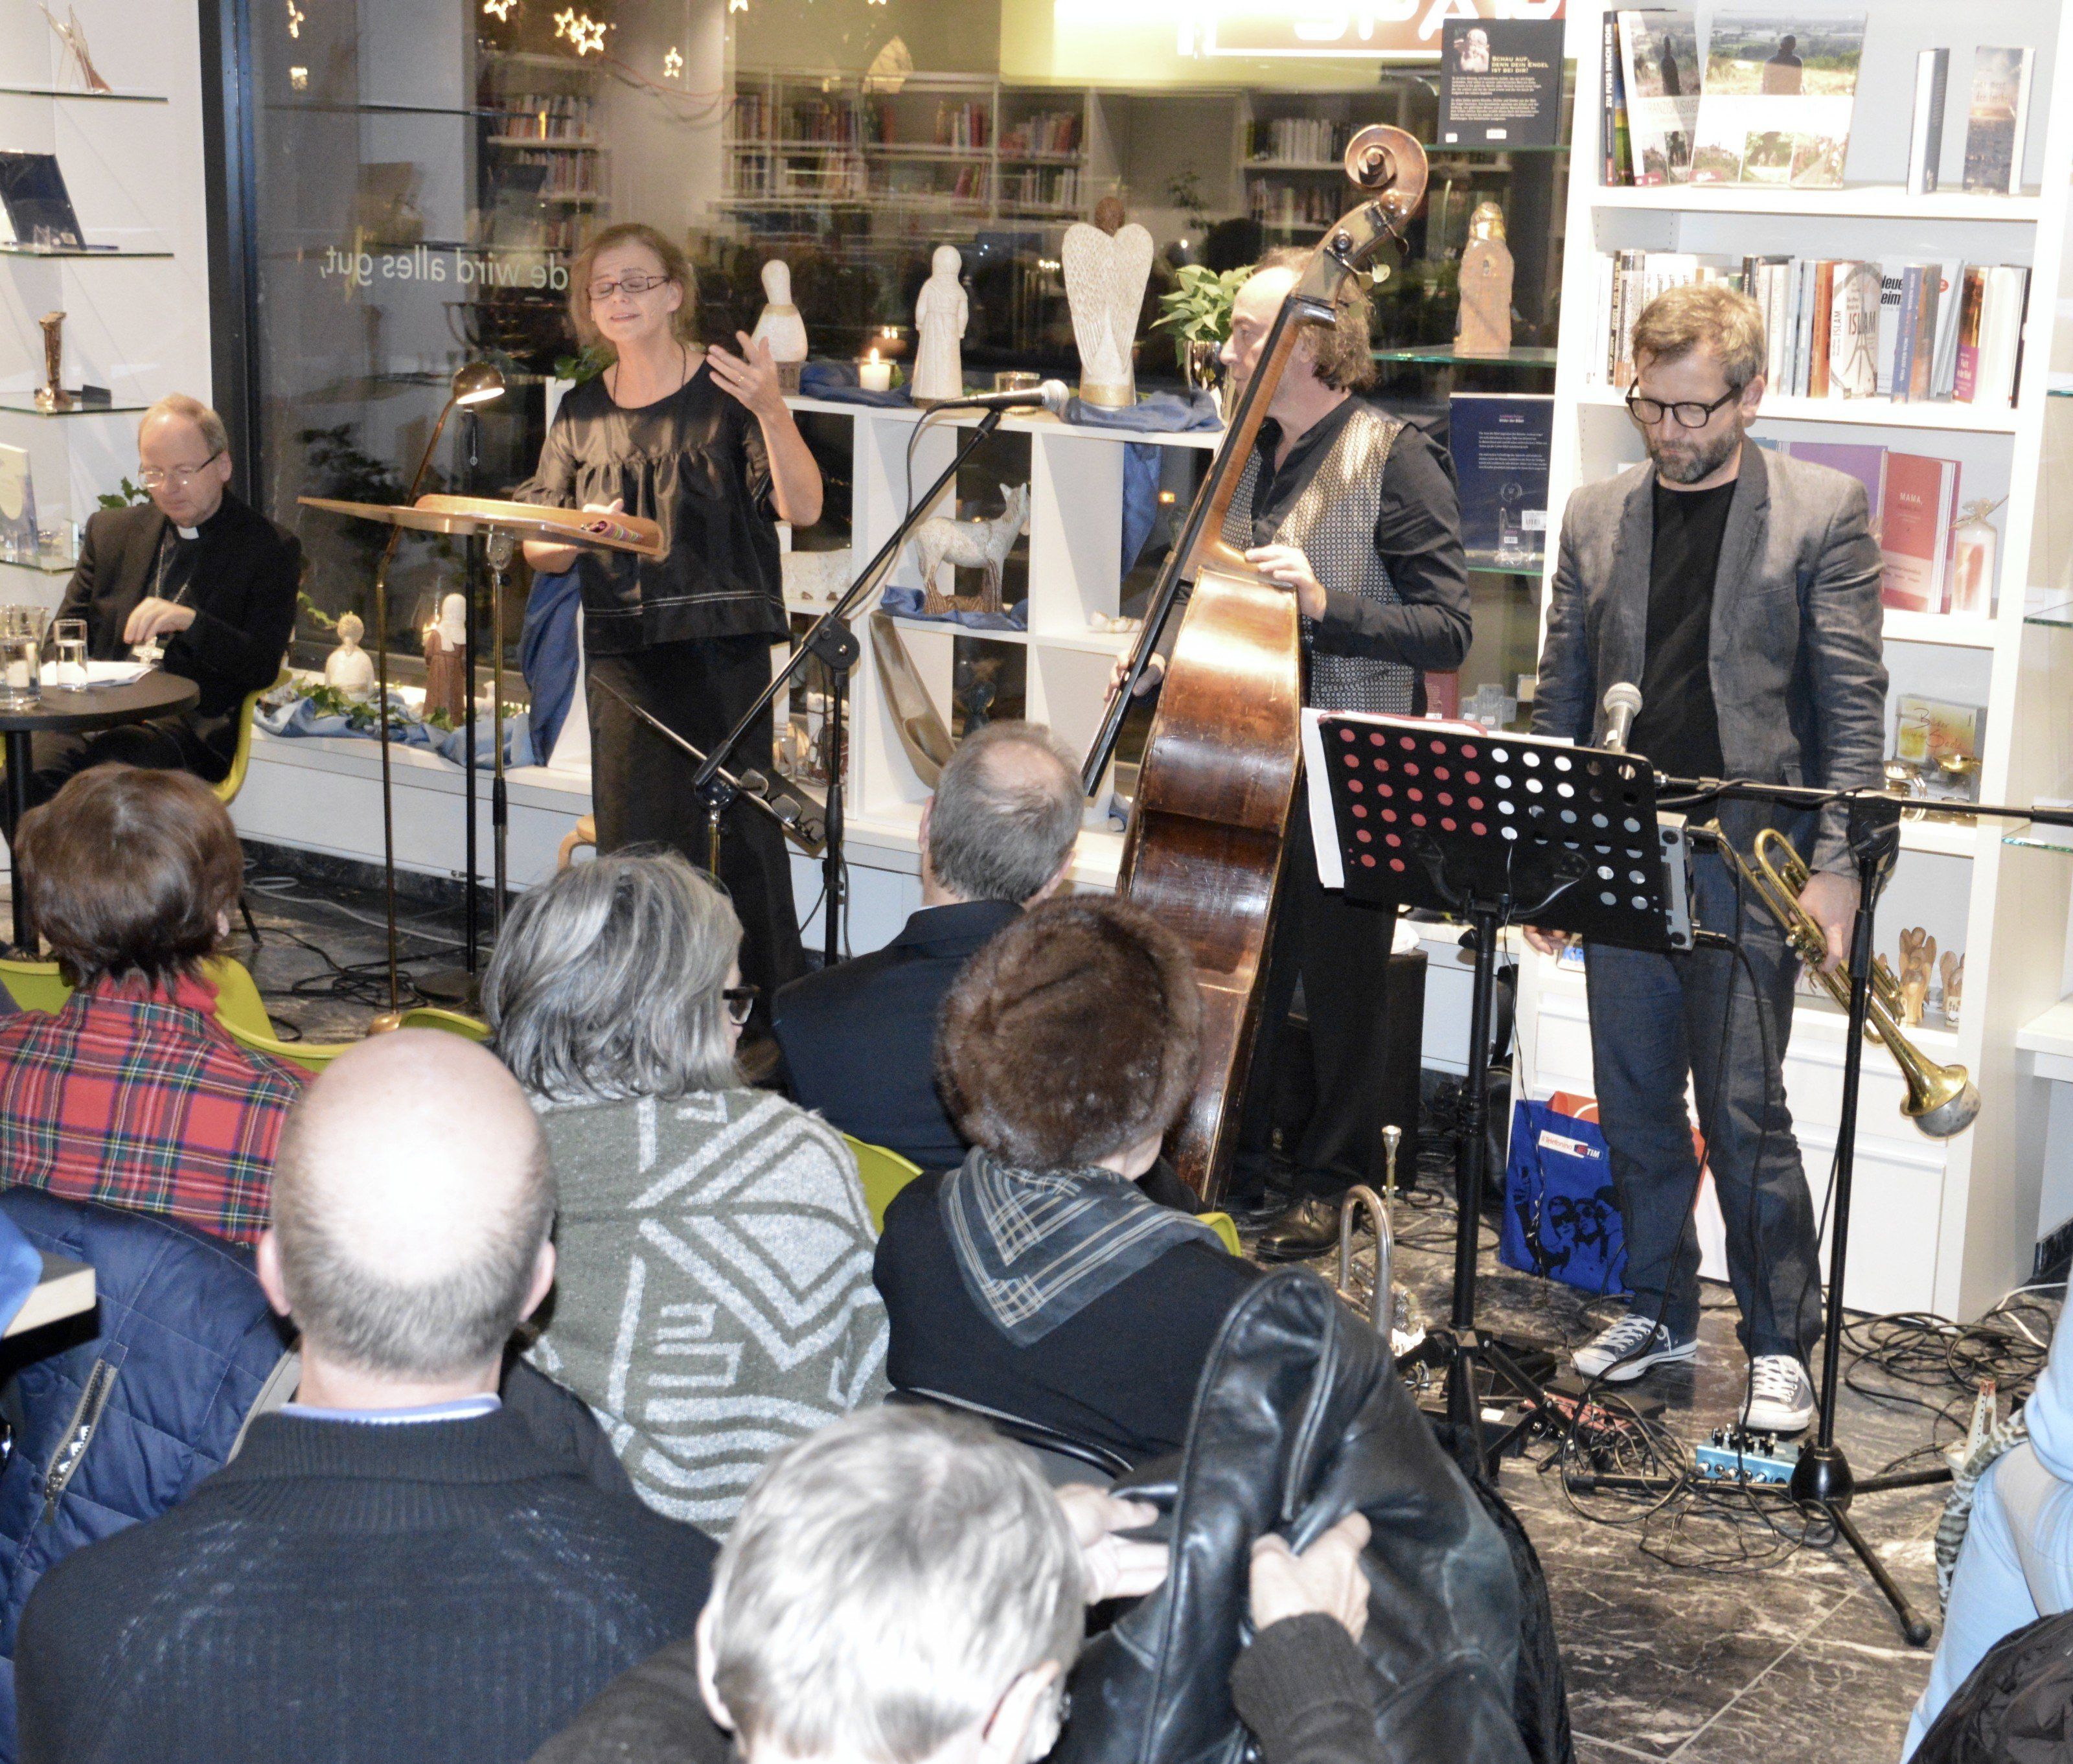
column 522, row 520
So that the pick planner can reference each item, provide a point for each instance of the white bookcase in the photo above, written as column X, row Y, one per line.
column 1947, row 1226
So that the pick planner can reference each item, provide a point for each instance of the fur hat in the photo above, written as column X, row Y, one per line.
column 1073, row 1033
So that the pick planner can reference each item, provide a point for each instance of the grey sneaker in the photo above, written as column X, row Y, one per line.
column 1781, row 1395
column 1621, row 1354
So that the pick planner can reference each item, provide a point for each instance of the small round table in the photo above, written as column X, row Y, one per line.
column 70, row 712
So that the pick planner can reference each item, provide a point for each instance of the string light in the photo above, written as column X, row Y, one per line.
column 299, row 78
column 673, row 64
column 295, row 17
column 498, row 10
column 586, row 35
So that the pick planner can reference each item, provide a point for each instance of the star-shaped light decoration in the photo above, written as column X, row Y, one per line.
column 586, row 35
column 498, row 10
column 295, row 17
column 673, row 65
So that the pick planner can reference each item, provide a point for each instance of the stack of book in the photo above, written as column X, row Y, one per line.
column 1913, row 499
column 1846, row 328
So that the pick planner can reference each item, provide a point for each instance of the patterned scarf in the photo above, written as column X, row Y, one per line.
column 1036, row 1247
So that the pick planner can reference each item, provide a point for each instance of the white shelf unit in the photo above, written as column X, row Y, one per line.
column 1946, row 1226
column 1075, row 555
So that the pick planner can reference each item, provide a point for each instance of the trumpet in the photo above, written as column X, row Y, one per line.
column 1942, row 1100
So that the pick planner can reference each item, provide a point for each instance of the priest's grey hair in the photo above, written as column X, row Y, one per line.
column 606, row 983
column 1006, row 814
column 888, row 1579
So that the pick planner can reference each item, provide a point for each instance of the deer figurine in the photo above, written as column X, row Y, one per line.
column 970, row 544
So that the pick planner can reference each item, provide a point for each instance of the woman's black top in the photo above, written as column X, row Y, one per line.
column 1121, row 1373
column 694, row 462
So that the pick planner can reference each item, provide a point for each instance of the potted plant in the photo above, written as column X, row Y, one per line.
column 1197, row 312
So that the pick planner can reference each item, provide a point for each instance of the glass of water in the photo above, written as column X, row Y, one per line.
column 20, row 653
column 69, row 653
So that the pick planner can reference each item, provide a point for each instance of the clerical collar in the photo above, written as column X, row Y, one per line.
column 187, row 532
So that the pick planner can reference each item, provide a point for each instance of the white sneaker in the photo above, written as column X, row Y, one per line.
column 1621, row 1354
column 1781, row 1395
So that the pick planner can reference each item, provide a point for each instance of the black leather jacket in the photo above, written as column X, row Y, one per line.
column 1300, row 1418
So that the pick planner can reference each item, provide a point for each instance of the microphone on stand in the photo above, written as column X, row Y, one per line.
column 1052, row 395
column 1623, row 706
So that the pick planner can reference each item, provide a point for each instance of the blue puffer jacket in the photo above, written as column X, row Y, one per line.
column 118, row 1414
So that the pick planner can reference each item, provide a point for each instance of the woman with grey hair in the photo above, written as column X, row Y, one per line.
column 715, row 1299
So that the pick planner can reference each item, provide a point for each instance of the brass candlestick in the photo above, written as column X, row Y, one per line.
column 51, row 395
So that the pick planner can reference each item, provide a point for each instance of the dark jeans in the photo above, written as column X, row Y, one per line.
column 1653, row 1019
column 641, row 784
column 170, row 744
column 1340, row 949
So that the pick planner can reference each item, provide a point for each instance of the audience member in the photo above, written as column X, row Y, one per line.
column 714, row 1298
column 201, row 574
column 393, row 1568
column 1303, row 1686
column 2016, row 1564
column 1035, row 1281
column 860, row 1038
column 134, row 1094
column 902, row 1586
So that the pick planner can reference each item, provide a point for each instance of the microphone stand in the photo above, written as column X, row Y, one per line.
column 1823, row 1482
column 834, row 645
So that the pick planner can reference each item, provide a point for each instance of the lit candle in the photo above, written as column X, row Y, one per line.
column 874, row 375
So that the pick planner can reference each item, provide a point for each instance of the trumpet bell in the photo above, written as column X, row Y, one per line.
column 1947, row 1102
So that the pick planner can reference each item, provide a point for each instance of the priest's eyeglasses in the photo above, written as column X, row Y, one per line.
column 177, row 477
column 1648, row 412
column 635, row 285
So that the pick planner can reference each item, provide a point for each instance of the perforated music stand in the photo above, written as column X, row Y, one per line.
column 1492, row 827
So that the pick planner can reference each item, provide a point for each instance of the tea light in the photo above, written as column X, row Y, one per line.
column 874, row 375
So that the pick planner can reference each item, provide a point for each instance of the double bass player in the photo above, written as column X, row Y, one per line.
column 1355, row 513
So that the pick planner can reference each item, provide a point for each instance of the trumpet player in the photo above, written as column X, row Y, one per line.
column 1740, row 588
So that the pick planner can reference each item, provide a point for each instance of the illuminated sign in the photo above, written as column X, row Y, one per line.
column 1404, row 29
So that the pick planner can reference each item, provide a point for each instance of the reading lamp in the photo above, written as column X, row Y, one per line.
column 474, row 383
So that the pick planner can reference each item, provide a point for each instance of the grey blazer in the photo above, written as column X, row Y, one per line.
column 1798, row 674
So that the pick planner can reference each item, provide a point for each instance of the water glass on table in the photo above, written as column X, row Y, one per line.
column 68, row 643
column 20, row 654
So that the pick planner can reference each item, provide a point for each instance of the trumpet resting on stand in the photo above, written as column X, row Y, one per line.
column 1942, row 1100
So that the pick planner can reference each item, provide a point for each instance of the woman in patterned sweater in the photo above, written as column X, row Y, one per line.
column 714, row 1300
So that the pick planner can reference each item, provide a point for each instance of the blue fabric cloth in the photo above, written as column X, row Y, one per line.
column 300, row 717
column 836, row 382
column 21, row 1267
column 1156, row 413
column 549, row 656
column 2016, row 1564
column 184, row 1338
column 1140, row 498
column 907, row 603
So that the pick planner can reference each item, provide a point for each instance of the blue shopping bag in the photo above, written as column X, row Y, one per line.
column 1561, row 1216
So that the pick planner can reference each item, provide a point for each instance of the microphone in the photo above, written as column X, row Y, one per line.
column 1052, row 395
column 1623, row 706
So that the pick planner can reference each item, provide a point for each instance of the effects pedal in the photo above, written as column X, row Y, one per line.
column 1732, row 1455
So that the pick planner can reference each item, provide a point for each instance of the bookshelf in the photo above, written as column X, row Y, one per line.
column 1944, row 1226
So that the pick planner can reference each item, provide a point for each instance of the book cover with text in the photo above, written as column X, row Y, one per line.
column 1775, row 107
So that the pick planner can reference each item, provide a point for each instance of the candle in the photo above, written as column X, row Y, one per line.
column 874, row 375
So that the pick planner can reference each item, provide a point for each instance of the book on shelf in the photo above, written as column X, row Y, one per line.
column 1918, row 508
column 1501, row 444
column 1615, row 133
column 36, row 209
column 17, row 506
column 1659, row 64
column 1998, row 119
column 1501, row 82
column 1853, row 362
column 1990, row 335
column 1862, row 460
column 1941, row 740
column 1774, row 105
column 1924, row 142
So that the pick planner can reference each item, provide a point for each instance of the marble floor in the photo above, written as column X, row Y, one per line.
column 1796, row 1661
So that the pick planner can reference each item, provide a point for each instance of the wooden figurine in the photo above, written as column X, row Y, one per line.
column 1105, row 278
column 1485, row 324
column 1918, row 961
column 347, row 669
column 970, row 544
column 780, row 325
column 446, row 664
column 52, row 394
column 1953, row 985
column 940, row 314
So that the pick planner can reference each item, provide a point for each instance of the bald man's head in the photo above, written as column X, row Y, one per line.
column 412, row 1194
column 1006, row 813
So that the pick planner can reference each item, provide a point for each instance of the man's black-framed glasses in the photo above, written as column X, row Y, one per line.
column 1648, row 412
column 740, row 1001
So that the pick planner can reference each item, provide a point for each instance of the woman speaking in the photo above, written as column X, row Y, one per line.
column 699, row 440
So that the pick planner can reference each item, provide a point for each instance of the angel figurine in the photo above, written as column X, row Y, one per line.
column 940, row 315
column 348, row 669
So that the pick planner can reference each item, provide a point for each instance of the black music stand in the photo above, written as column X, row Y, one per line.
column 1493, row 828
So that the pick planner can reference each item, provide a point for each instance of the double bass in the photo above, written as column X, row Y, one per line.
column 1218, row 781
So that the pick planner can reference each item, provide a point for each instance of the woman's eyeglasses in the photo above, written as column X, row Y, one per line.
column 635, row 285
column 740, row 1001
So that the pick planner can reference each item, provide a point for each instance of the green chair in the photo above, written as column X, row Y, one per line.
column 884, row 1174
column 242, row 1012
column 1227, row 1230
column 34, row 986
column 433, row 1017
column 233, row 780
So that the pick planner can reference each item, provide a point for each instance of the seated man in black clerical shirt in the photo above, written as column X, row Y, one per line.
column 860, row 1038
column 206, row 577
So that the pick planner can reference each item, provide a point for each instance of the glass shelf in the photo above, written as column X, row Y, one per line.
column 1490, row 563
column 2052, row 612
column 43, row 563
column 13, row 250
column 1443, row 355
column 63, row 92
column 24, row 404
column 2031, row 838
